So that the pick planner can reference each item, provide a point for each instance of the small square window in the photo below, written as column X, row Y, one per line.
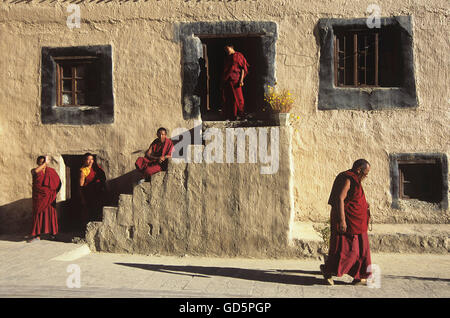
column 77, row 81
column 419, row 176
column 366, row 69
column 77, row 85
column 367, row 57
column 420, row 179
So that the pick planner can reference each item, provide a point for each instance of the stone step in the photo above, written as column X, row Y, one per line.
column 410, row 238
column 389, row 238
column 110, row 214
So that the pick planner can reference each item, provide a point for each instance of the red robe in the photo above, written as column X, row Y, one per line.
column 45, row 188
column 151, row 166
column 232, row 97
column 349, row 253
column 93, row 192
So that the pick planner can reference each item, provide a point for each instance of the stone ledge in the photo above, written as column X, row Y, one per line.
column 391, row 238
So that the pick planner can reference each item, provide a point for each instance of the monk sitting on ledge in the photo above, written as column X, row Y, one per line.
column 157, row 155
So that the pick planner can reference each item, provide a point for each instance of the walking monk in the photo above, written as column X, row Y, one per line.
column 46, row 184
column 349, row 251
column 235, row 70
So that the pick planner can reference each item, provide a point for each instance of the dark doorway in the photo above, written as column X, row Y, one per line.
column 211, row 66
column 70, row 219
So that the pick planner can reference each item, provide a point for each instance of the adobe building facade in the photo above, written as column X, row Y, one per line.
column 149, row 55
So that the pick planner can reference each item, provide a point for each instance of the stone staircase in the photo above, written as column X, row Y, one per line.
column 204, row 208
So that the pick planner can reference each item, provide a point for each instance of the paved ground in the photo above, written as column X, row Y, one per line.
column 44, row 269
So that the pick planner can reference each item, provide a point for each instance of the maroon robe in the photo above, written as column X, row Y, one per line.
column 147, row 166
column 45, row 188
column 93, row 192
column 349, row 253
column 232, row 97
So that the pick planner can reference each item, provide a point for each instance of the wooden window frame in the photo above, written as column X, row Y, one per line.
column 401, row 179
column 357, row 35
column 73, row 62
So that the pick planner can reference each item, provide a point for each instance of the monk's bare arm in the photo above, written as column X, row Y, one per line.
column 82, row 178
column 342, row 196
column 38, row 169
column 149, row 154
column 241, row 79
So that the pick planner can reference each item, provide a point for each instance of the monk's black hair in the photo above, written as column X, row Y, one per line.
column 229, row 44
column 360, row 163
column 87, row 154
column 40, row 158
column 161, row 129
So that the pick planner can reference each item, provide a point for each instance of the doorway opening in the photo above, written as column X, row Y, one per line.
column 211, row 70
column 71, row 208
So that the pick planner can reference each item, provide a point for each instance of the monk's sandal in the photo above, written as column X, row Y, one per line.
column 327, row 277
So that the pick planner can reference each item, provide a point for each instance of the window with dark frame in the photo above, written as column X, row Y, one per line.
column 367, row 57
column 77, row 85
column 420, row 179
column 77, row 81
column 257, row 38
column 382, row 54
column 211, row 69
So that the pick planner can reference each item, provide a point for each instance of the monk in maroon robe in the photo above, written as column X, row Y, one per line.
column 46, row 184
column 349, row 251
column 92, row 189
column 157, row 155
column 235, row 70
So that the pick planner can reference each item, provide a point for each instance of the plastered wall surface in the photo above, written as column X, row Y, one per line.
column 147, row 87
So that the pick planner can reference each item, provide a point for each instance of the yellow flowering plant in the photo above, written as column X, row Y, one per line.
column 279, row 102
column 294, row 119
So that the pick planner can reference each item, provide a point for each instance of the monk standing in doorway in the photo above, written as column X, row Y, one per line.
column 349, row 251
column 92, row 189
column 235, row 70
column 46, row 184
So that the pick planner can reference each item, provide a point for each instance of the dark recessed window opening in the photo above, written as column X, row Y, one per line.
column 211, row 69
column 78, row 81
column 202, row 58
column 421, row 180
column 366, row 57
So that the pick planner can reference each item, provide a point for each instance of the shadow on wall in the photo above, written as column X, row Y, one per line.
column 122, row 185
column 16, row 217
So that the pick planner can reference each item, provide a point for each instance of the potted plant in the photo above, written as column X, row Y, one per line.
column 280, row 102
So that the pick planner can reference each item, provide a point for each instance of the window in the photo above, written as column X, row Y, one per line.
column 420, row 179
column 419, row 176
column 202, row 53
column 77, row 81
column 367, row 58
column 77, row 86
column 363, row 68
column 209, row 84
